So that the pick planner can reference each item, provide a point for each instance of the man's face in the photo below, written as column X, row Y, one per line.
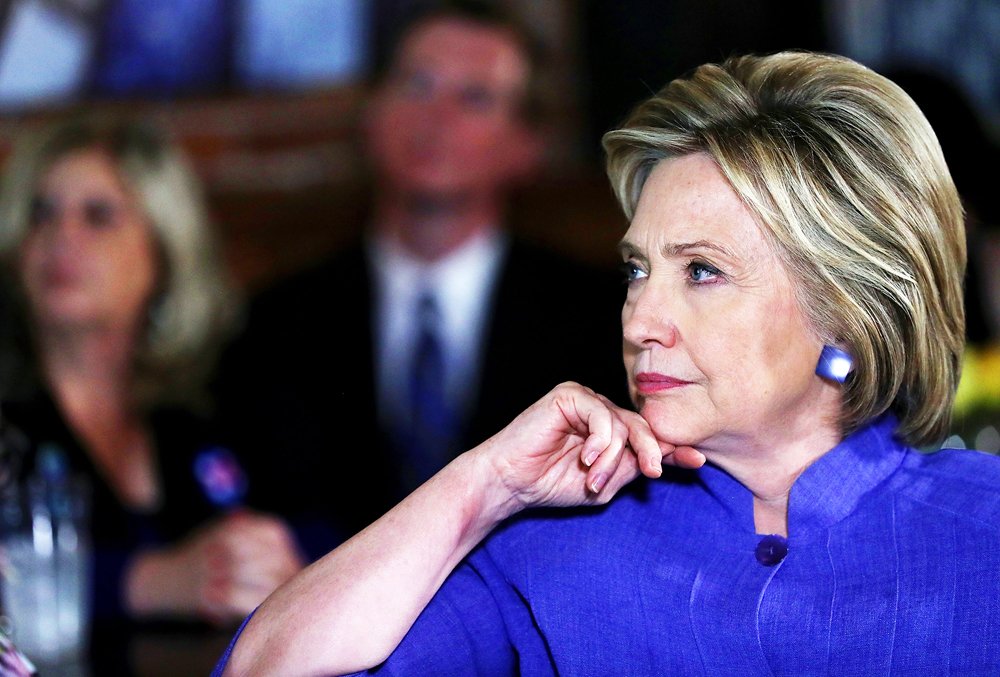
column 446, row 122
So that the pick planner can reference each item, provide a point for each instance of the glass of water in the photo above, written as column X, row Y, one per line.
column 46, row 563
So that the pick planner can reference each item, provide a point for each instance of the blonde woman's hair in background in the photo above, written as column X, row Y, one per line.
column 196, row 305
column 848, row 181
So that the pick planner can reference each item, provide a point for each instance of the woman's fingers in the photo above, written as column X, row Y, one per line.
column 576, row 439
column 647, row 450
column 651, row 452
column 626, row 471
column 237, row 586
column 247, row 558
column 683, row 457
column 606, row 463
column 608, row 428
column 603, row 447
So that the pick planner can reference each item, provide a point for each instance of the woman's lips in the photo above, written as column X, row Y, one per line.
column 649, row 382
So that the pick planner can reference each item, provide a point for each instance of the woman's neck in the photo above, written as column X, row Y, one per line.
column 90, row 375
column 88, row 365
column 769, row 467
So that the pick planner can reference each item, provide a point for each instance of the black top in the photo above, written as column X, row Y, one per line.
column 119, row 531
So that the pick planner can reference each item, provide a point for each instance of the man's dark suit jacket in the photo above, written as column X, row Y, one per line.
column 297, row 388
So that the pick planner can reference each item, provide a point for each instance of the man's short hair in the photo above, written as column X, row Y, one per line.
column 481, row 13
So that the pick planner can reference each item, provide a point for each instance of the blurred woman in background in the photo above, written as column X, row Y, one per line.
column 118, row 305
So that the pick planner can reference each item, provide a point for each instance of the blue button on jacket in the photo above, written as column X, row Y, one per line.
column 892, row 567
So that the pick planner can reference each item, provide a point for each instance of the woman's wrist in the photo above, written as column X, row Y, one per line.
column 140, row 583
column 150, row 582
column 488, row 499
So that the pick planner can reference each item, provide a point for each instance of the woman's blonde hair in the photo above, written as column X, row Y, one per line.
column 848, row 180
column 195, row 306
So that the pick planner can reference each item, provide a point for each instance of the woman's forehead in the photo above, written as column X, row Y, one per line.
column 687, row 202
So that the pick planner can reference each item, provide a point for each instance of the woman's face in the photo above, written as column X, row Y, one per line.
column 89, row 256
column 717, row 350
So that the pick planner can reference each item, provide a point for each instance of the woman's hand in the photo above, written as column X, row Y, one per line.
column 571, row 447
column 575, row 447
column 221, row 572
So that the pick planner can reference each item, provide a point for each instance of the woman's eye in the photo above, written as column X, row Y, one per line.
column 41, row 211
column 702, row 272
column 631, row 272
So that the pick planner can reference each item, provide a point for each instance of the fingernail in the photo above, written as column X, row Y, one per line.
column 597, row 483
column 657, row 469
column 590, row 457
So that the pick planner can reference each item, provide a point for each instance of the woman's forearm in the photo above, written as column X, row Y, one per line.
column 349, row 610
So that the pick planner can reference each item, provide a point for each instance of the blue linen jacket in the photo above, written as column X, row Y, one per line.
column 893, row 567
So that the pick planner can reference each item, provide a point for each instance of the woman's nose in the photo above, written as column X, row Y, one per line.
column 647, row 318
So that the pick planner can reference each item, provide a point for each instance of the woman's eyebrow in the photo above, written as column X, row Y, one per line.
column 671, row 249
column 629, row 250
column 678, row 248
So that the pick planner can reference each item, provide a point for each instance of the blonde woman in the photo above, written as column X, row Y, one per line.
column 793, row 321
column 119, row 302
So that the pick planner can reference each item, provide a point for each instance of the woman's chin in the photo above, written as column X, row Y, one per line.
column 670, row 423
column 66, row 314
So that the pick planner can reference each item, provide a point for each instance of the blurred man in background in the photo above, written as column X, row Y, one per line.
column 366, row 374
